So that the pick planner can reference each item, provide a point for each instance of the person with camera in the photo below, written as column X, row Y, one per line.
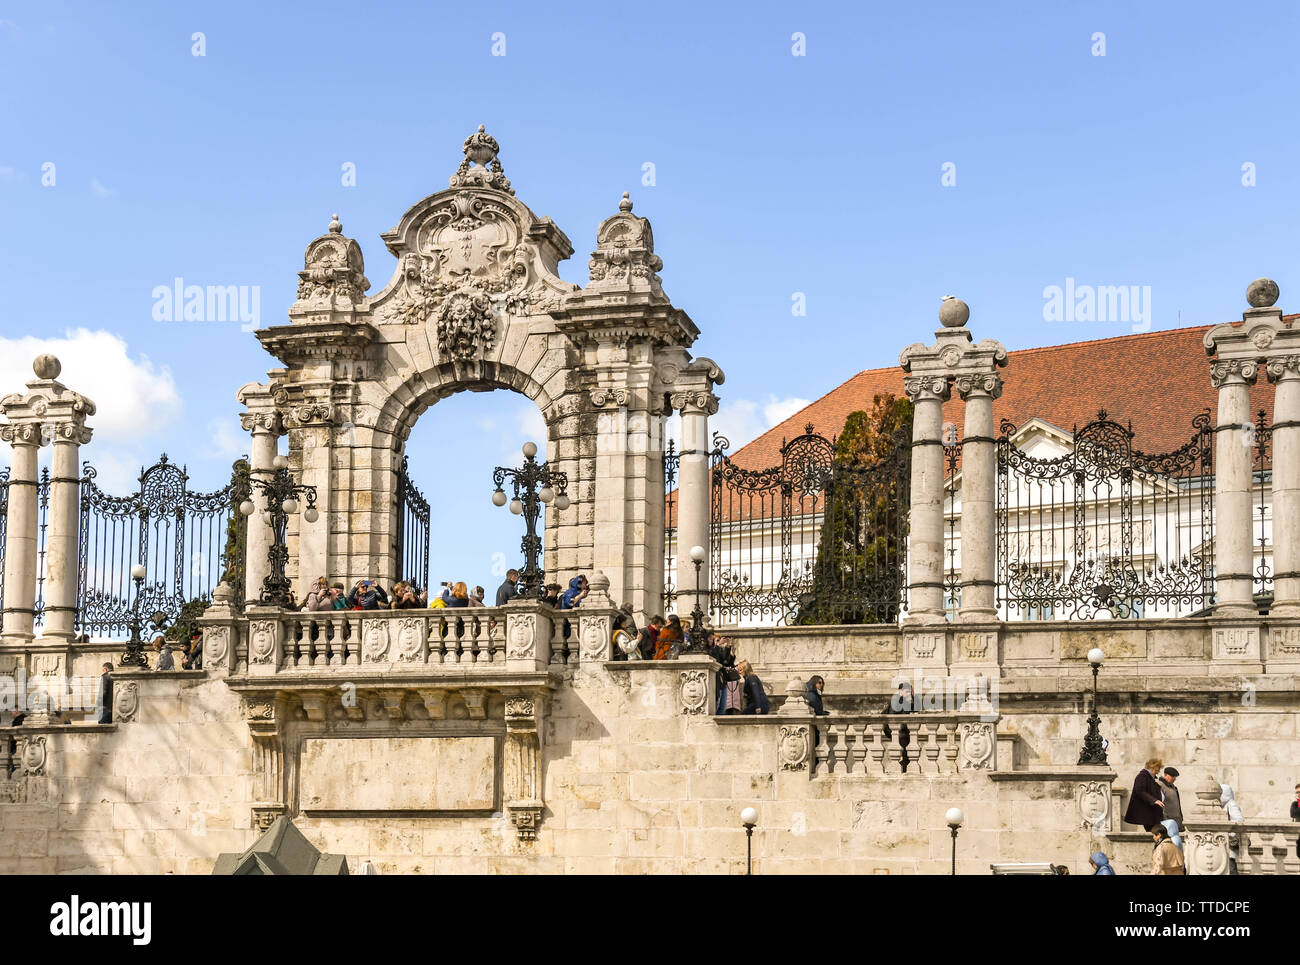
column 404, row 597
column 367, row 595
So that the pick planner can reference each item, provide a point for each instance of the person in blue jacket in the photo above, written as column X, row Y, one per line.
column 1100, row 864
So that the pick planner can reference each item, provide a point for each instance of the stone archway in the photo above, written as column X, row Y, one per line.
column 475, row 303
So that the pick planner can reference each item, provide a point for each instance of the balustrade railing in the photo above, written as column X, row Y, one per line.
column 1254, row 847
column 926, row 744
column 339, row 638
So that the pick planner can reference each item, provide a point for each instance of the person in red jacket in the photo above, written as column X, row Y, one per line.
column 1145, row 804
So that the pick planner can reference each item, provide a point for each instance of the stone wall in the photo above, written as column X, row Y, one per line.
column 633, row 783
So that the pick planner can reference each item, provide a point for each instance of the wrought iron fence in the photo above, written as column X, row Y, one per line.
column 672, row 463
column 412, row 547
column 1105, row 528
column 42, row 529
column 186, row 541
column 812, row 539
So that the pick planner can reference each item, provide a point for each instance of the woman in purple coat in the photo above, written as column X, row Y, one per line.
column 1146, row 804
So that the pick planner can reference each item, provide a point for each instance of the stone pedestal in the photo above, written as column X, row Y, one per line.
column 528, row 636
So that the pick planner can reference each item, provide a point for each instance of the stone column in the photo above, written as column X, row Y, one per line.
column 20, row 534
column 925, row 542
column 693, row 498
column 978, row 482
column 1233, row 471
column 264, row 425
column 61, row 548
column 1285, row 374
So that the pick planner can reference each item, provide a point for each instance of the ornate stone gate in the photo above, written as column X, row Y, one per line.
column 476, row 304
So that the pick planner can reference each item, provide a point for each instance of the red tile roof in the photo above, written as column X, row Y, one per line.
column 1158, row 381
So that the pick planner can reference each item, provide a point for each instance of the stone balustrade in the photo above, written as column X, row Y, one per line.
column 270, row 641
column 924, row 744
column 1257, row 847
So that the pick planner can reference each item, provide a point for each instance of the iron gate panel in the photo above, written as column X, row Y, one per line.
column 812, row 539
column 412, row 547
column 185, row 540
column 1262, row 437
column 1106, row 528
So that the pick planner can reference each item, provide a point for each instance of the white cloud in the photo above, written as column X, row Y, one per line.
column 134, row 399
column 744, row 420
column 226, row 440
column 101, row 191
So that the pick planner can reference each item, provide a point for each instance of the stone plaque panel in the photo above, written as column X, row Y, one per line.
column 397, row 774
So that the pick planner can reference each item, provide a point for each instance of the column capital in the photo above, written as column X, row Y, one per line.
column 921, row 388
column 1283, row 367
column 48, row 409
column 263, row 421
column 1233, row 372
column 695, row 402
column 23, row 434
column 972, row 386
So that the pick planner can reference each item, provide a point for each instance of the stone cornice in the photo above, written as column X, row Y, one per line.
column 315, row 341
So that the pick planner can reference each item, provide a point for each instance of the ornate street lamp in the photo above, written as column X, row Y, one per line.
column 281, row 494
column 700, row 634
column 533, row 483
column 1094, row 749
column 749, row 818
column 954, row 817
column 134, row 655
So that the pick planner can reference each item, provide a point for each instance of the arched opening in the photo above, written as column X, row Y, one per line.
column 450, row 456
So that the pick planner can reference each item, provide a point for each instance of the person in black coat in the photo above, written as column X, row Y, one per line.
column 1146, row 804
column 813, row 695
column 1295, row 816
column 106, row 695
column 756, row 701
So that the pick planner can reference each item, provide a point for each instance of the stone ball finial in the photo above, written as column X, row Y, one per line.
column 598, row 582
column 336, row 226
column 47, row 366
column 626, row 204
column 1262, row 293
column 953, row 312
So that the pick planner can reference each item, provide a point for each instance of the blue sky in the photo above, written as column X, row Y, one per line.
column 774, row 175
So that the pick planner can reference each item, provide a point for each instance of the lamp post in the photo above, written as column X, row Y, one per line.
column 1094, row 750
column 134, row 656
column 954, row 817
column 533, row 484
column 281, row 494
column 700, row 634
column 749, row 818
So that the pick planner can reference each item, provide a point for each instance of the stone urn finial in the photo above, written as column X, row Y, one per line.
column 1208, row 796
column 953, row 312
column 481, row 149
column 47, row 366
column 1262, row 293
column 336, row 226
column 794, row 700
column 626, row 204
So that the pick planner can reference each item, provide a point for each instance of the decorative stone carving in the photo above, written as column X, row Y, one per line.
column 333, row 269
column 705, row 402
column 374, row 645
column 410, row 639
column 126, row 701
column 216, row 646
column 264, row 815
column 259, row 709
column 977, row 646
column 595, row 638
column 924, row 647
column 1285, row 640
column 518, row 708
column 521, row 635
column 1207, row 852
column 34, row 755
column 1231, row 370
column 1094, row 805
column 624, row 258
column 794, row 748
column 261, row 641
column 527, row 819
column 977, row 746
column 1236, row 643
column 693, row 688
column 601, row 396
column 13, row 792
column 481, row 167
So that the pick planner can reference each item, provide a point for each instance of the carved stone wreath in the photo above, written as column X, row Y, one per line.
column 793, row 747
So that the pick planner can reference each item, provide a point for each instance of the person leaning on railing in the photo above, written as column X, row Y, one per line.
column 367, row 595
